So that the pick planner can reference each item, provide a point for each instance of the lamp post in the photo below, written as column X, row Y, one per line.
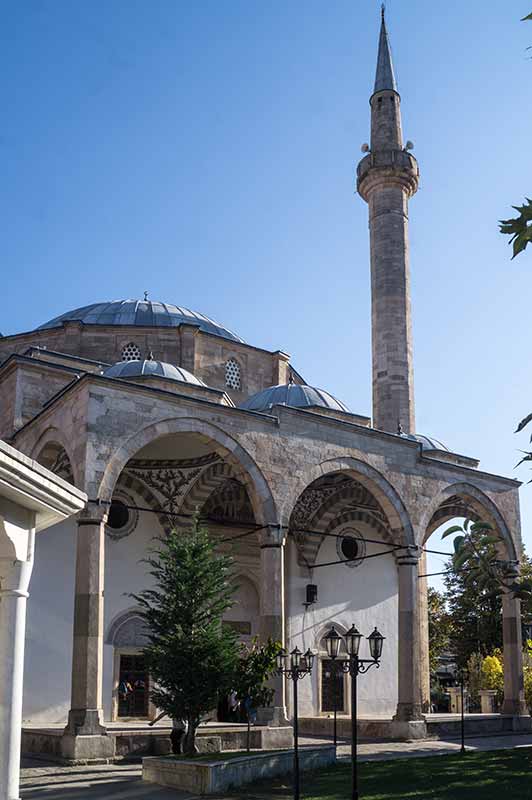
column 355, row 666
column 462, row 712
column 332, row 643
column 299, row 665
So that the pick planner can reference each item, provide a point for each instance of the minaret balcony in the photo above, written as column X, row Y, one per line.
column 384, row 167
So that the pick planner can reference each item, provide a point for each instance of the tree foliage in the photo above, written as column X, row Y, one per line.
column 440, row 627
column 519, row 228
column 256, row 665
column 191, row 655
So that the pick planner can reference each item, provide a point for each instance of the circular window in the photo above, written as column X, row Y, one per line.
column 351, row 547
column 118, row 515
column 122, row 518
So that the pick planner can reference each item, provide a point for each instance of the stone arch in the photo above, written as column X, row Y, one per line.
column 53, row 452
column 128, row 629
column 400, row 527
column 464, row 499
column 245, row 468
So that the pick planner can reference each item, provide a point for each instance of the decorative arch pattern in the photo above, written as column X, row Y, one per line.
column 54, row 457
column 246, row 470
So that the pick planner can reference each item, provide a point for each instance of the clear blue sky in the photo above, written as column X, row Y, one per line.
column 206, row 151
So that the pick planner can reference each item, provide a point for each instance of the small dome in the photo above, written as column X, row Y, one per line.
column 147, row 313
column 151, row 369
column 426, row 442
column 292, row 394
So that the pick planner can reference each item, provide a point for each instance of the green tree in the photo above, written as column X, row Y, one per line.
column 519, row 228
column 256, row 665
column 439, row 627
column 191, row 655
column 477, row 579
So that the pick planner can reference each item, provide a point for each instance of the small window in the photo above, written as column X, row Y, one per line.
column 131, row 352
column 118, row 515
column 349, row 547
column 232, row 374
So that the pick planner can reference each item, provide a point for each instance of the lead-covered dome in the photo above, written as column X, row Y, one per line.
column 148, row 313
column 295, row 395
column 426, row 442
column 151, row 369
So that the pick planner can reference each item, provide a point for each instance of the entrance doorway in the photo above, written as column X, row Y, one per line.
column 133, row 686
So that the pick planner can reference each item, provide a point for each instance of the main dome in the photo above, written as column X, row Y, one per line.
column 295, row 395
column 150, row 313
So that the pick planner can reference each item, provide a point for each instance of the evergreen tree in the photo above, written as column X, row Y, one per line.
column 191, row 655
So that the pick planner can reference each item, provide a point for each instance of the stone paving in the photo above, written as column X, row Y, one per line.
column 123, row 781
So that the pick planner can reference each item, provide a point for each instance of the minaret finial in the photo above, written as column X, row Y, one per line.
column 146, row 294
column 384, row 77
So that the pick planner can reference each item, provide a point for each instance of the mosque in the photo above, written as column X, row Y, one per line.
column 156, row 411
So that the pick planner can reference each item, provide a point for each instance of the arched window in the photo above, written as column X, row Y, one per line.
column 232, row 374
column 131, row 352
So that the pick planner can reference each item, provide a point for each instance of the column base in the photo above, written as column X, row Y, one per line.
column 85, row 722
column 87, row 748
column 409, row 712
column 408, row 729
column 517, row 708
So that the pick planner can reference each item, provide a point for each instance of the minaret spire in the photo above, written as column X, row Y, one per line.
column 386, row 179
column 385, row 75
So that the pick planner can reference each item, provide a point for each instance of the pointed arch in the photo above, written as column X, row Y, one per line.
column 245, row 468
column 465, row 499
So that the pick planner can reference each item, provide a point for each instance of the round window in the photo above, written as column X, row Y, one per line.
column 121, row 519
column 118, row 515
column 351, row 547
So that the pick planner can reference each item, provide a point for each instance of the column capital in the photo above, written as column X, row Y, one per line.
column 408, row 556
column 272, row 535
column 94, row 513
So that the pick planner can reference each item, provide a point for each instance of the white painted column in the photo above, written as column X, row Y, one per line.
column 14, row 582
column 272, row 543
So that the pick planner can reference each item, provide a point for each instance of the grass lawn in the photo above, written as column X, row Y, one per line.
column 495, row 775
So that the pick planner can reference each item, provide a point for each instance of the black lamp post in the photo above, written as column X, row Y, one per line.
column 333, row 642
column 356, row 666
column 300, row 664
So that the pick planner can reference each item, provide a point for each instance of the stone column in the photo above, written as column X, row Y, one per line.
column 272, row 542
column 14, row 582
column 424, row 642
column 514, row 692
column 409, row 719
column 85, row 735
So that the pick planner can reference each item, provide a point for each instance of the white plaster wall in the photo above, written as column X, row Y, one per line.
column 124, row 574
column 47, row 666
column 365, row 595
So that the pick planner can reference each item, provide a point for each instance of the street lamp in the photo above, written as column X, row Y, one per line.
column 355, row 666
column 299, row 665
column 333, row 642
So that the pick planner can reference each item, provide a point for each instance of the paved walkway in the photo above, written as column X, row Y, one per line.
column 123, row 782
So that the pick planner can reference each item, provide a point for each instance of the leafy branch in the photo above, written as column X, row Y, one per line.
column 476, row 553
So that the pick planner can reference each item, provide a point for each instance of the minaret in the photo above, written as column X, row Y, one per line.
column 386, row 179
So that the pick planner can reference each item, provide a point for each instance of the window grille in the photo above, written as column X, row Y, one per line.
column 232, row 374
column 131, row 352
